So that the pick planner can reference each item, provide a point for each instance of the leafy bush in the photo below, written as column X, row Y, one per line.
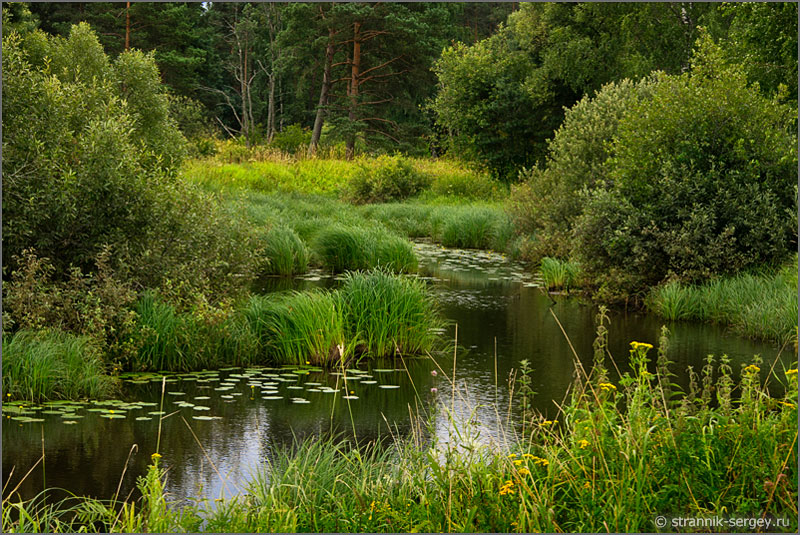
column 97, row 305
column 293, row 138
column 90, row 152
column 703, row 181
column 545, row 206
column 386, row 178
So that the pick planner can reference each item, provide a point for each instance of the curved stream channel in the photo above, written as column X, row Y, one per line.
column 240, row 415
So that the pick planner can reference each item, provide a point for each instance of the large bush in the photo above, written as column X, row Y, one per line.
column 89, row 157
column 702, row 181
column 386, row 178
column 545, row 206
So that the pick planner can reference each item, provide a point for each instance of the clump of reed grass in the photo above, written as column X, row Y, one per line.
column 341, row 248
column 44, row 365
column 559, row 274
column 475, row 228
column 759, row 305
column 386, row 314
column 284, row 252
column 298, row 327
column 201, row 337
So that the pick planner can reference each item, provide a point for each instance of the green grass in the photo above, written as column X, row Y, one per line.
column 298, row 328
column 615, row 457
column 51, row 364
column 476, row 228
column 284, row 252
column 559, row 274
column 341, row 248
column 385, row 314
column 759, row 305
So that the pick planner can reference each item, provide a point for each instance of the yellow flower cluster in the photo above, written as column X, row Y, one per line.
column 583, row 443
column 793, row 371
column 637, row 345
column 524, row 471
column 517, row 462
column 507, row 488
column 528, row 456
column 155, row 456
column 547, row 422
column 539, row 460
column 607, row 386
column 752, row 369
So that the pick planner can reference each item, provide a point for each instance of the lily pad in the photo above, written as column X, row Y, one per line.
column 202, row 417
column 387, row 387
column 271, row 397
column 112, row 416
column 201, row 408
column 69, row 422
column 349, row 397
column 143, row 418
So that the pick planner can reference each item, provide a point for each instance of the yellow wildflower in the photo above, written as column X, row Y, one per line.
column 793, row 371
column 507, row 488
column 787, row 404
column 517, row 463
column 524, row 471
column 547, row 422
column 587, row 485
column 543, row 462
column 155, row 456
column 607, row 386
column 528, row 456
column 752, row 369
column 637, row 345
column 512, row 455
column 583, row 443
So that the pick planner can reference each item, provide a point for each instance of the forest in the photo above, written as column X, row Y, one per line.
column 395, row 267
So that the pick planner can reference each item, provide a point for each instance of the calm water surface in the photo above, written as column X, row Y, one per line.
column 240, row 416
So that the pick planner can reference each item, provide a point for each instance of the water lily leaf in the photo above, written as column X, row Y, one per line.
column 387, row 387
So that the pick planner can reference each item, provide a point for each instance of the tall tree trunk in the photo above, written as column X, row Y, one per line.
column 271, row 109
column 127, row 26
column 323, row 94
column 350, row 143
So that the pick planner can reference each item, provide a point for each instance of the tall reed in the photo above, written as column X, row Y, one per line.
column 53, row 365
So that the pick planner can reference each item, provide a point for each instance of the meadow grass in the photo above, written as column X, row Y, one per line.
column 298, row 328
column 759, row 305
column 616, row 456
column 558, row 274
column 386, row 314
column 476, row 228
column 285, row 254
column 46, row 365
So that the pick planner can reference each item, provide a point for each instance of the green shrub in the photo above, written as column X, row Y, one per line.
column 284, row 252
column 385, row 313
column 545, row 206
column 42, row 365
column 293, row 138
column 703, row 182
column 298, row 328
column 386, row 178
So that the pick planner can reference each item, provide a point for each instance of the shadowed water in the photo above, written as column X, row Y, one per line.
column 501, row 315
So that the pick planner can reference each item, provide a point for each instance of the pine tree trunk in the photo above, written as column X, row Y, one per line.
column 350, row 143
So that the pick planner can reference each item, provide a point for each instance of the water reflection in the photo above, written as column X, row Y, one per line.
column 502, row 317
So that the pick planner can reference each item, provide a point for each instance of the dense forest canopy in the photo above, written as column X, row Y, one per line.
column 490, row 80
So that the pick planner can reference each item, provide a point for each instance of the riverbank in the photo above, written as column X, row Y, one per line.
column 615, row 458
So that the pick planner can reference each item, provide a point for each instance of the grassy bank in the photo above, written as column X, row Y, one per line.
column 759, row 305
column 616, row 457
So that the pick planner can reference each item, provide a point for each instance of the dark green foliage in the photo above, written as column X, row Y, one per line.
column 52, row 364
column 703, row 181
column 292, row 139
column 546, row 205
column 89, row 154
column 386, row 178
